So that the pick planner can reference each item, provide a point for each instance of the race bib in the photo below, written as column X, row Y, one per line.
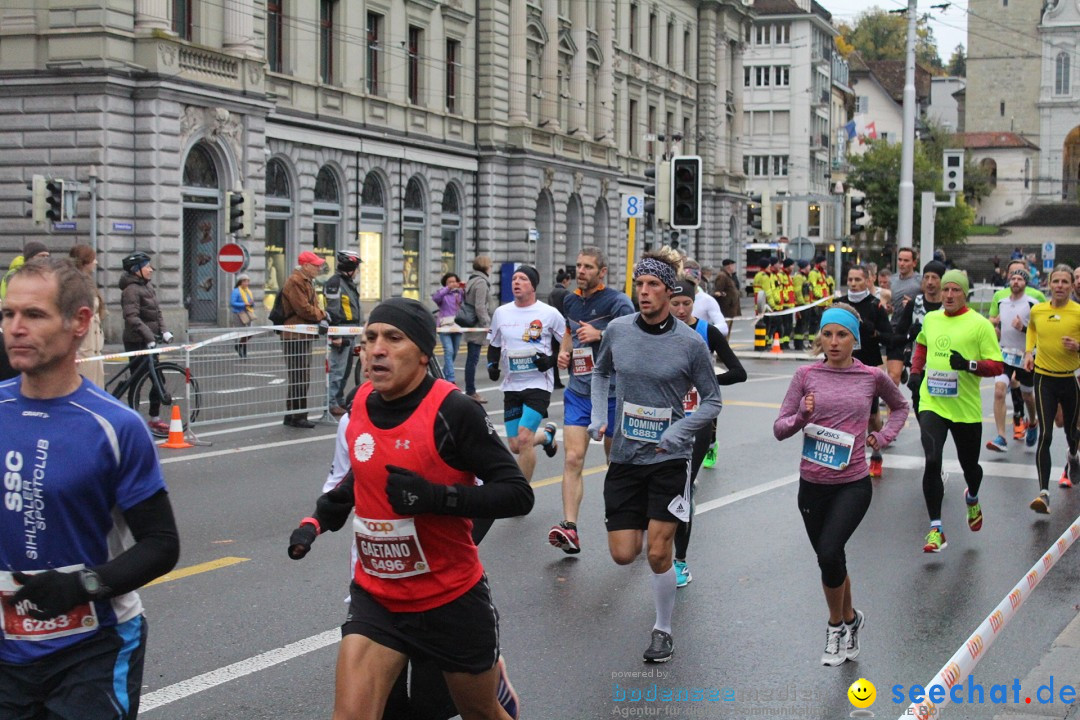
column 521, row 362
column 1012, row 357
column 943, row 383
column 691, row 401
column 644, row 424
column 19, row 625
column 581, row 362
column 389, row 548
column 827, row 447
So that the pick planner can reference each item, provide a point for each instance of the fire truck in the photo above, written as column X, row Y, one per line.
column 756, row 259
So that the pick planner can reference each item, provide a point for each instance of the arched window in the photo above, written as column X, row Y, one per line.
column 451, row 229
column 989, row 166
column 413, row 226
column 1061, row 73
column 199, row 170
column 372, row 230
column 279, row 214
column 327, row 209
column 202, row 200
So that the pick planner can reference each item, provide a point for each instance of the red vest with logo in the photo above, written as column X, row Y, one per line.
column 409, row 563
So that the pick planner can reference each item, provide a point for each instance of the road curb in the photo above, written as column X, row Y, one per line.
column 1062, row 662
column 797, row 355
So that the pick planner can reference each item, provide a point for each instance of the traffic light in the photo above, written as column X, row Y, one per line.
column 54, row 200
column 856, row 214
column 240, row 212
column 657, row 197
column 952, row 178
column 37, row 199
column 753, row 211
column 686, row 192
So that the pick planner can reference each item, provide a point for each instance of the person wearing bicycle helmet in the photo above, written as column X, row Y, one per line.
column 343, row 307
column 143, row 323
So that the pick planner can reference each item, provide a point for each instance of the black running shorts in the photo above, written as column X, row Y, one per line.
column 98, row 678
column 635, row 494
column 460, row 636
column 515, row 400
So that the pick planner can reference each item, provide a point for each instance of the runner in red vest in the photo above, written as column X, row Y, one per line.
column 416, row 446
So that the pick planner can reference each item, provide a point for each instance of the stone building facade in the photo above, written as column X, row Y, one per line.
column 420, row 133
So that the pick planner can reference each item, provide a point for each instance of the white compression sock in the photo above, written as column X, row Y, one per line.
column 663, row 588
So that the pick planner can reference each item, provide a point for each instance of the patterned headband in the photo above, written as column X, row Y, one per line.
column 652, row 266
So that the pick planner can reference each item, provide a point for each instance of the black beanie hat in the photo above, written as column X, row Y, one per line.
column 33, row 249
column 410, row 317
column 529, row 272
column 934, row 266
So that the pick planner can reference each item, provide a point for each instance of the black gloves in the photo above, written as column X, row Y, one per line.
column 958, row 361
column 324, row 327
column 914, row 382
column 493, row 371
column 545, row 362
column 410, row 494
column 301, row 539
column 53, row 592
column 333, row 508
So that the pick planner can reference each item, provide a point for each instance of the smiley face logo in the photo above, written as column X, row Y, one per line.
column 862, row 693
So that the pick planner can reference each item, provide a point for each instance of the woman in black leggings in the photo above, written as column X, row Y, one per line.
column 682, row 307
column 1053, row 340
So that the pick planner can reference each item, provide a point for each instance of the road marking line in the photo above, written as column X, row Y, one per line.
column 197, row 569
column 247, row 448
column 197, row 684
column 556, row 479
column 752, row 403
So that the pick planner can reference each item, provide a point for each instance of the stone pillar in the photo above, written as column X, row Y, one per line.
column 519, row 47
column 579, row 72
column 239, row 27
column 735, row 131
column 151, row 15
column 549, row 67
column 605, row 92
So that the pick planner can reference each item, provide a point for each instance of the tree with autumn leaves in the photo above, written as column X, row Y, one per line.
column 881, row 35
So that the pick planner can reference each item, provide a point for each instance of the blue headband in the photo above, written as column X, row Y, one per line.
column 839, row 316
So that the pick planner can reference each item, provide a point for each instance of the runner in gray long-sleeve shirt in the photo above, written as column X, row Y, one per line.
column 657, row 360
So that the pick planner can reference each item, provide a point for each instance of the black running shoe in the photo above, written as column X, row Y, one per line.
column 551, row 446
column 661, row 648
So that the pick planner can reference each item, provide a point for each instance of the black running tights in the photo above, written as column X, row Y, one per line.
column 831, row 513
column 702, row 441
column 968, row 440
column 1049, row 393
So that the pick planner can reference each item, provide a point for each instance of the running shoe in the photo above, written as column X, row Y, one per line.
column 853, row 629
column 835, row 645
column 660, row 649
column 1032, row 436
column 1073, row 467
column 1041, row 504
column 1020, row 428
column 551, row 445
column 875, row 466
column 682, row 574
column 564, row 536
column 974, row 514
column 1065, row 482
column 159, row 428
column 505, row 694
column 935, row 541
column 998, row 444
column 710, row 457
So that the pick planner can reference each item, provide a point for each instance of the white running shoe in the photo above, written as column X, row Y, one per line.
column 835, row 645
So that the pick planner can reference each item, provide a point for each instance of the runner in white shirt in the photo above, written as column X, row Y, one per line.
column 520, row 343
column 1011, row 322
column 705, row 306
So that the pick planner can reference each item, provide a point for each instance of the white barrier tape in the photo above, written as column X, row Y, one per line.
column 965, row 659
column 789, row 311
column 136, row 353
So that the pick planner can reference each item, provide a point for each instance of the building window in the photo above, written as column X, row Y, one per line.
column 274, row 47
column 746, row 76
column 374, row 37
column 328, row 213
column 451, row 230
column 372, row 229
column 783, row 33
column 670, row 48
column 279, row 213
column 633, row 27
column 453, row 64
column 181, row 18
column 862, row 105
column 650, row 127
column 632, row 123
column 652, row 36
column 1061, row 74
column 687, row 49
column 762, row 76
column 781, row 75
column 416, row 41
column 326, row 40
column 413, row 231
column 1002, row 108
column 780, row 165
column 762, row 35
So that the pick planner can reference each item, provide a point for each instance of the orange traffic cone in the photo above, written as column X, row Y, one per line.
column 775, row 350
column 176, row 439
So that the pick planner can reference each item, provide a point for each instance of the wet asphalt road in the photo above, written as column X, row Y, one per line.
column 751, row 625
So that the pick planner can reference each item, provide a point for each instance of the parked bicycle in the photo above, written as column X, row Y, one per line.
column 154, row 382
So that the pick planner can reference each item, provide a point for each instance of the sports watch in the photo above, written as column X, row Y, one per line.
column 90, row 583
column 973, row 366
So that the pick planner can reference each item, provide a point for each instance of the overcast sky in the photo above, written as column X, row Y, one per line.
column 949, row 26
